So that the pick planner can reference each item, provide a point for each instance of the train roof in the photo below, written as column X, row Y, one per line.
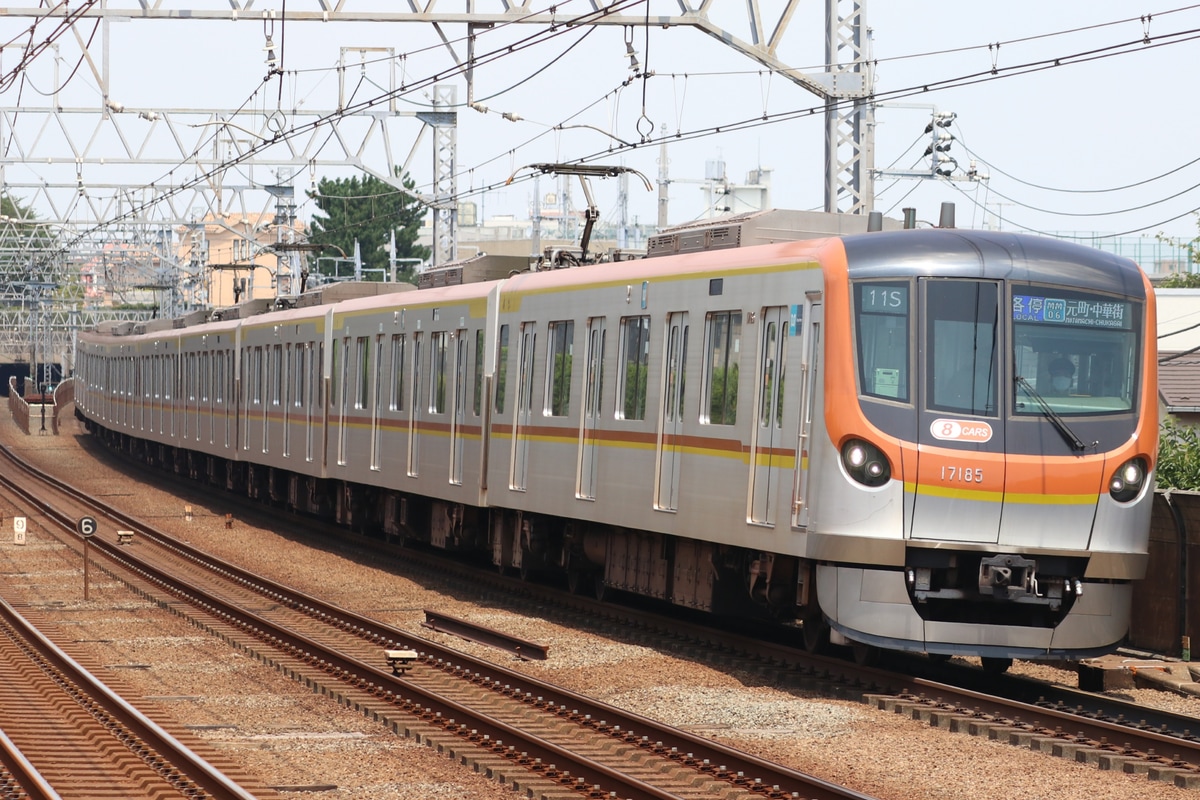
column 956, row 252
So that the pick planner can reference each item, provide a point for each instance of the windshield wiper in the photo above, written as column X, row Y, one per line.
column 1068, row 434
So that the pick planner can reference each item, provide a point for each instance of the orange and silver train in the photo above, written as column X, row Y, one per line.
column 931, row 440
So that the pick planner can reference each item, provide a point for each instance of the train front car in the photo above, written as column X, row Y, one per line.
column 990, row 405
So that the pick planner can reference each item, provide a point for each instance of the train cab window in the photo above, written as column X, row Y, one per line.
column 1075, row 352
column 634, row 368
column 961, row 326
column 723, row 344
column 882, row 331
column 558, row 369
column 501, row 367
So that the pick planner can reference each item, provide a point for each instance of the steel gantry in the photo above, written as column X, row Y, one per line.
column 113, row 179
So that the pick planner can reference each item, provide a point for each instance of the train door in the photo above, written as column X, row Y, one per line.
column 523, row 414
column 670, row 445
column 458, row 406
column 313, row 369
column 765, row 459
column 960, row 436
column 414, row 410
column 592, row 391
column 810, row 383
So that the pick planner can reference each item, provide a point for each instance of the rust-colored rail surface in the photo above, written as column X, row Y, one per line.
column 72, row 737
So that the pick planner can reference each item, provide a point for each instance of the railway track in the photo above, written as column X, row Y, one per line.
column 539, row 738
column 1089, row 728
column 66, row 734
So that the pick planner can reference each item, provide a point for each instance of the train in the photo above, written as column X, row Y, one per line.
column 928, row 439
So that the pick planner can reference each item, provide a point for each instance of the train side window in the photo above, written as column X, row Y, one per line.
column 558, row 369
column 882, row 333
column 501, row 367
column 723, row 344
column 437, row 372
column 634, row 367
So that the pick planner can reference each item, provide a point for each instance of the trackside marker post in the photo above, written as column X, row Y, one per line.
column 87, row 529
column 19, row 529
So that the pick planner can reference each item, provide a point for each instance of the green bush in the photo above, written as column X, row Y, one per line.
column 1178, row 456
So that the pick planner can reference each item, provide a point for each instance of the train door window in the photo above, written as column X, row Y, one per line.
column 376, row 428
column 882, row 329
column 774, row 360
column 277, row 375
column 298, row 376
column 501, row 367
column 962, row 319
column 437, row 372
column 362, row 372
column 397, row 401
column 477, row 396
column 723, row 344
column 633, row 368
column 557, row 401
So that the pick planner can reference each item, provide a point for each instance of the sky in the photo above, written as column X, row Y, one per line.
column 1098, row 144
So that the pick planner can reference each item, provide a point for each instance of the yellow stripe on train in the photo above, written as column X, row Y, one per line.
column 979, row 495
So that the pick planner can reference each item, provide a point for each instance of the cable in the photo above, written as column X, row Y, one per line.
column 970, row 79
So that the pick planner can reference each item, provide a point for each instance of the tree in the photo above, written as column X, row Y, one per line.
column 368, row 210
column 1178, row 464
column 1183, row 280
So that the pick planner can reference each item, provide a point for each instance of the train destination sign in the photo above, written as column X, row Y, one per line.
column 1087, row 313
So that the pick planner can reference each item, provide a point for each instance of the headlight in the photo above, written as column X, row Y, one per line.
column 866, row 463
column 1126, row 483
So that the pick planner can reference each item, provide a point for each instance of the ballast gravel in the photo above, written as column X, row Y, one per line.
column 308, row 746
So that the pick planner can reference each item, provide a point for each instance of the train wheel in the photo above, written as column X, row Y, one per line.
column 576, row 581
column 816, row 634
column 996, row 666
column 864, row 654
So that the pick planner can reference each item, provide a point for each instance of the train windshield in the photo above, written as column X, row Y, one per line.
column 1073, row 352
